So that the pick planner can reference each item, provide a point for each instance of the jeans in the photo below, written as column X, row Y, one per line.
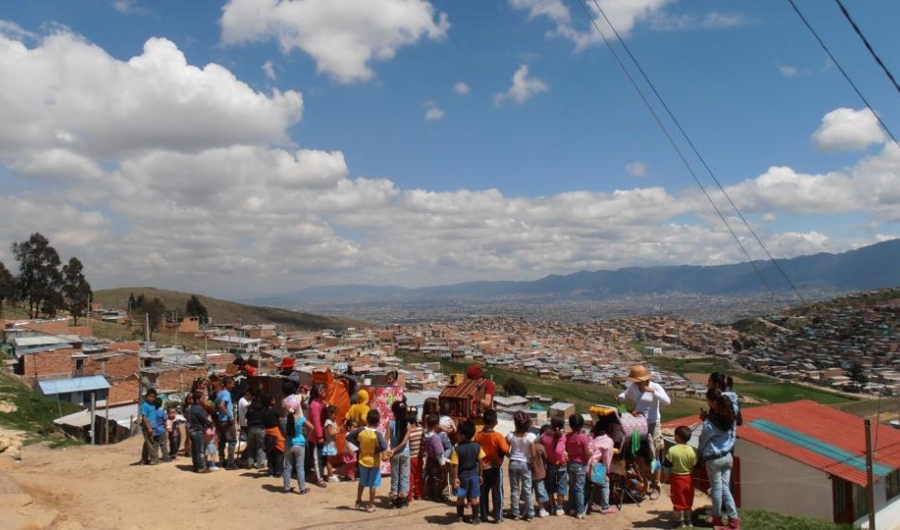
column 577, row 473
column 197, row 448
column 557, row 483
column 540, row 491
column 294, row 457
column 162, row 441
column 400, row 475
column 492, row 490
column 719, row 472
column 520, row 488
column 174, row 441
column 150, row 451
column 595, row 492
column 255, row 452
column 227, row 438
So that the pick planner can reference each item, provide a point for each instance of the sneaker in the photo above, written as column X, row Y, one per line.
column 528, row 518
column 476, row 520
column 609, row 511
column 543, row 513
column 333, row 478
column 579, row 516
column 460, row 519
column 560, row 512
column 214, row 468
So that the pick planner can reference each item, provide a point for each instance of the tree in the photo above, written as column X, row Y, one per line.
column 195, row 308
column 76, row 289
column 154, row 310
column 514, row 387
column 39, row 275
column 52, row 303
column 858, row 373
column 131, row 302
column 7, row 286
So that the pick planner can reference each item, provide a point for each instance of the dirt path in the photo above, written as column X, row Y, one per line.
column 101, row 488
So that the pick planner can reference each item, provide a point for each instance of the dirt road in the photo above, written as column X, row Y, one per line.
column 102, row 488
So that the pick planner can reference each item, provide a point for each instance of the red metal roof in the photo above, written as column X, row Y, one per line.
column 823, row 423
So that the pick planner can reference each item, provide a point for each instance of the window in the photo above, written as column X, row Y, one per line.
column 860, row 504
column 79, row 364
column 892, row 484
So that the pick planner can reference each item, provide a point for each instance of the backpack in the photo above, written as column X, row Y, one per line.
column 598, row 473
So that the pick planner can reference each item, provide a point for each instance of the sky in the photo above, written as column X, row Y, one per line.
column 252, row 147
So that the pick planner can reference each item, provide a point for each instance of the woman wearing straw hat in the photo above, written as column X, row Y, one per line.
column 647, row 396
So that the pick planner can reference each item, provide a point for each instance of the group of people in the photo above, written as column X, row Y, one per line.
column 556, row 471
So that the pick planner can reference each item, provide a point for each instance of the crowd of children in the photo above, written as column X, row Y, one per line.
column 556, row 471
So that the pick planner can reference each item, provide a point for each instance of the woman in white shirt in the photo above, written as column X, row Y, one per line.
column 647, row 396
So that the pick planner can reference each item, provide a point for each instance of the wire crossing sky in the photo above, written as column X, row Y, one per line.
column 254, row 147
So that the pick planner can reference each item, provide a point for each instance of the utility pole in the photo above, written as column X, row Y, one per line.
column 870, row 475
column 94, row 418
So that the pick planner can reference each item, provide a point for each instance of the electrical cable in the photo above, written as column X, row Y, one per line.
column 680, row 153
column 844, row 73
column 696, row 151
column 875, row 56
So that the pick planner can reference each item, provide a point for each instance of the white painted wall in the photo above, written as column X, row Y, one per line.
column 887, row 518
column 776, row 483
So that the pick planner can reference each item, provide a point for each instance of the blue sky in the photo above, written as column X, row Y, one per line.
column 258, row 146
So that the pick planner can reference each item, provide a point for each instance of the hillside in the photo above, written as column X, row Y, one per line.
column 225, row 311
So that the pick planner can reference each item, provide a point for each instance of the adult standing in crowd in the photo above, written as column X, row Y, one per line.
column 647, row 397
column 715, row 448
column 225, row 410
column 475, row 373
column 725, row 383
column 287, row 370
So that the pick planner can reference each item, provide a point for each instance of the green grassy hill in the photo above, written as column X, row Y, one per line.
column 223, row 311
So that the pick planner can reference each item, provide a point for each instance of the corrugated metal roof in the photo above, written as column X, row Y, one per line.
column 844, row 432
column 78, row 384
column 124, row 415
column 31, row 342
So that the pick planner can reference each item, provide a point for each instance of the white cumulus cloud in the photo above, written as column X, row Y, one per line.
column 637, row 169
column 71, row 93
column 245, row 211
column 342, row 36
column 846, row 129
column 269, row 69
column 624, row 15
column 434, row 114
column 523, row 87
column 461, row 88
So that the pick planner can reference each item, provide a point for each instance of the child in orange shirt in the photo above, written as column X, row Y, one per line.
column 495, row 448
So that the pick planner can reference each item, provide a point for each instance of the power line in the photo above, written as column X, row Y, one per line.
column 681, row 154
column 843, row 72
column 875, row 56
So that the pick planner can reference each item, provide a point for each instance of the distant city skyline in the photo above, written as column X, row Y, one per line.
column 250, row 147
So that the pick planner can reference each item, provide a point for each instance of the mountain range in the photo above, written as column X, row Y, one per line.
column 870, row 267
